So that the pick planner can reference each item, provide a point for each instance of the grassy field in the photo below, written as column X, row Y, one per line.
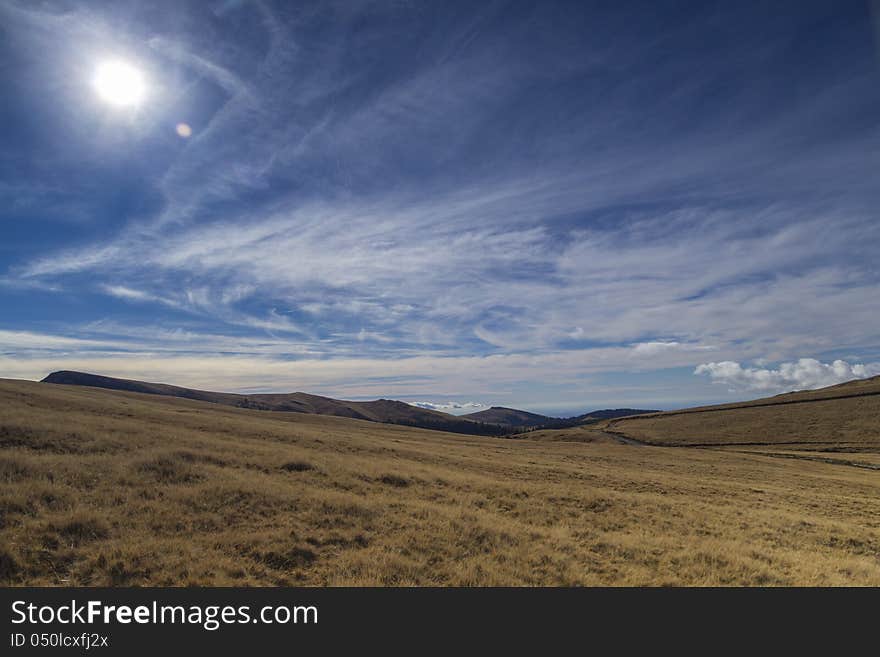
column 852, row 423
column 111, row 488
column 838, row 419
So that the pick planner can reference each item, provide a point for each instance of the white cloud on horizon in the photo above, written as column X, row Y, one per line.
column 570, row 379
column 803, row 374
column 450, row 407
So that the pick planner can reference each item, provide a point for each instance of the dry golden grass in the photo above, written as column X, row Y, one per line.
column 109, row 488
column 844, row 424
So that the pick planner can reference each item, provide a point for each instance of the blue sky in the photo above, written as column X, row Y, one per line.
column 552, row 206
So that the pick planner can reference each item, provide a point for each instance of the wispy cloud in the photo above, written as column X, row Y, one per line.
column 130, row 294
column 423, row 195
column 728, row 279
column 649, row 349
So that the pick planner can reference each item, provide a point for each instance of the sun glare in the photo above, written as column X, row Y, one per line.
column 119, row 84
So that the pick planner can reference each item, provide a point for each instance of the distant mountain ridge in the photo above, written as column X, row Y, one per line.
column 509, row 416
column 382, row 410
column 610, row 413
column 515, row 418
column 495, row 421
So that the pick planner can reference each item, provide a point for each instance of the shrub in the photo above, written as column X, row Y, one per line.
column 82, row 529
column 8, row 566
column 394, row 480
column 13, row 470
column 167, row 470
column 297, row 466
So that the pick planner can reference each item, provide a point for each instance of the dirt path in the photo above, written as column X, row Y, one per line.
column 619, row 438
column 626, row 440
column 805, row 457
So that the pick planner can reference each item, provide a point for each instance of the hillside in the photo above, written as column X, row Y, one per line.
column 514, row 418
column 113, row 488
column 509, row 417
column 843, row 417
column 609, row 413
column 382, row 410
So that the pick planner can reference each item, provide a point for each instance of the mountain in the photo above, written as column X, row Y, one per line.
column 512, row 417
column 494, row 421
column 509, row 417
column 610, row 413
column 382, row 410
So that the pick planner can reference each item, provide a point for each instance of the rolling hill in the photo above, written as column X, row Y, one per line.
column 608, row 413
column 510, row 417
column 495, row 421
column 382, row 410
column 839, row 418
column 839, row 425
column 517, row 419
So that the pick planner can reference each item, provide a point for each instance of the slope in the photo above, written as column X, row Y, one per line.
column 510, row 417
column 101, row 487
column 844, row 417
column 382, row 410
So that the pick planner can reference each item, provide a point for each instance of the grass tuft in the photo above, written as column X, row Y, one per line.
column 169, row 470
column 297, row 466
column 394, row 480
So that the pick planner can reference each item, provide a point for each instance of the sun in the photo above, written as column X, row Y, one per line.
column 120, row 84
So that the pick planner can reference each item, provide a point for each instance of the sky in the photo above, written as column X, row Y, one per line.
column 551, row 206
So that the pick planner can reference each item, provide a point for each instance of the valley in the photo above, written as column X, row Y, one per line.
column 109, row 488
